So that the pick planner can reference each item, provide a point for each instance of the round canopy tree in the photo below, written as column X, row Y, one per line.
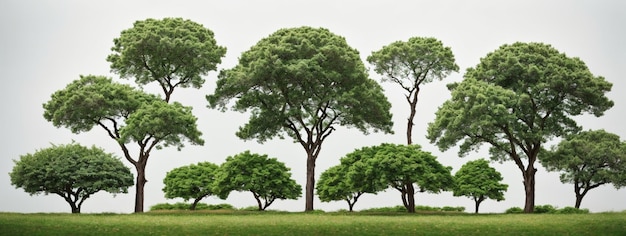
column 479, row 181
column 266, row 178
column 193, row 181
column 71, row 171
column 588, row 159
column 516, row 99
column 413, row 63
column 171, row 51
column 127, row 115
column 302, row 82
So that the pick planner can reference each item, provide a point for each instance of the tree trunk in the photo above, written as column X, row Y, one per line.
column 477, row 204
column 141, row 182
column 350, row 204
column 412, row 103
column 310, row 181
column 529, row 188
column 195, row 203
column 75, row 209
column 410, row 191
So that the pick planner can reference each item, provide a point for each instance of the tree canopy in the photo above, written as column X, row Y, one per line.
column 266, row 178
column 517, row 98
column 302, row 82
column 479, row 181
column 588, row 160
column 193, row 181
column 127, row 115
column 71, row 171
column 410, row 64
column 171, row 51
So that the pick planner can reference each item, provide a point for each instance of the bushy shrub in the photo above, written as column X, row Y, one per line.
column 453, row 209
column 545, row 209
column 187, row 206
column 401, row 208
column 514, row 210
column 572, row 210
column 386, row 209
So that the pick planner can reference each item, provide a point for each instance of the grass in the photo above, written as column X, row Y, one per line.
column 281, row 223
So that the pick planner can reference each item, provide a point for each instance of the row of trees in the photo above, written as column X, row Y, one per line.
column 304, row 82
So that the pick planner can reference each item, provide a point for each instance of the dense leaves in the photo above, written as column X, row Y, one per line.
column 71, row 171
column 479, row 181
column 193, row 181
column 588, row 160
column 517, row 98
column 266, row 178
column 171, row 51
column 127, row 115
column 302, row 82
column 411, row 64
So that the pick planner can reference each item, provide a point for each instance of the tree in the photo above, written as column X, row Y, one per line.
column 266, row 178
column 193, row 181
column 404, row 166
column 413, row 63
column 302, row 82
column 588, row 159
column 516, row 99
column 127, row 115
column 172, row 51
column 333, row 186
column 479, row 181
column 71, row 171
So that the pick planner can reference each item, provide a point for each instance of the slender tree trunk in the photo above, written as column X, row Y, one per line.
column 310, row 181
column 141, row 182
column 412, row 99
column 410, row 191
column 350, row 204
column 529, row 188
column 477, row 202
column 195, row 203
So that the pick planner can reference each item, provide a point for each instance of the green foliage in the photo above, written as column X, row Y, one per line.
column 188, row 206
column 572, row 210
column 171, row 51
column 401, row 208
column 545, row 209
column 479, row 181
column 194, row 181
column 517, row 98
column 588, row 159
column 71, row 171
column 540, row 209
column 267, row 178
column 514, row 210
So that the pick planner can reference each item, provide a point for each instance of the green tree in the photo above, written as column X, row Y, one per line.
column 172, row 51
column 403, row 167
column 127, row 115
column 516, row 99
column 266, row 178
column 193, row 181
column 71, row 171
column 413, row 63
column 479, row 181
column 588, row 159
column 302, row 82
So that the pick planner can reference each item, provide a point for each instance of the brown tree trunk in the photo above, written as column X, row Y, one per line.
column 410, row 192
column 141, row 182
column 409, row 126
column 477, row 202
column 529, row 188
column 310, row 181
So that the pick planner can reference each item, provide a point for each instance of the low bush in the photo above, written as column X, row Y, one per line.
column 187, row 206
column 514, row 210
column 541, row 209
column 401, row 208
column 572, row 210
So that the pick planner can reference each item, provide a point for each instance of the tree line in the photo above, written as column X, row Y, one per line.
column 303, row 82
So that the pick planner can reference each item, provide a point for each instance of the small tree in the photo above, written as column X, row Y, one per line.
column 404, row 166
column 266, row 178
column 194, row 181
column 413, row 63
column 171, row 51
column 478, row 181
column 302, row 82
column 588, row 159
column 71, row 171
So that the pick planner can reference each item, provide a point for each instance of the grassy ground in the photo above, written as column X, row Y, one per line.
column 272, row 223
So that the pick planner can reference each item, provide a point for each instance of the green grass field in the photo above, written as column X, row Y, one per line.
column 276, row 223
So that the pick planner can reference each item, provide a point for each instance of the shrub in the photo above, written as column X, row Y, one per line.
column 186, row 206
column 545, row 209
column 572, row 210
column 454, row 209
column 386, row 209
column 514, row 210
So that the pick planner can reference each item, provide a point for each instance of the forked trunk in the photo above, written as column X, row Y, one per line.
column 412, row 99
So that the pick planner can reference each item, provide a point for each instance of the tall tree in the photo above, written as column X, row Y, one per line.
column 405, row 167
column 193, row 181
column 171, row 51
column 516, row 99
column 127, row 115
column 266, row 178
column 413, row 63
column 71, row 171
column 588, row 159
column 479, row 181
column 302, row 82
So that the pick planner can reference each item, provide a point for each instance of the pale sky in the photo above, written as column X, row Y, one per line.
column 47, row 44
